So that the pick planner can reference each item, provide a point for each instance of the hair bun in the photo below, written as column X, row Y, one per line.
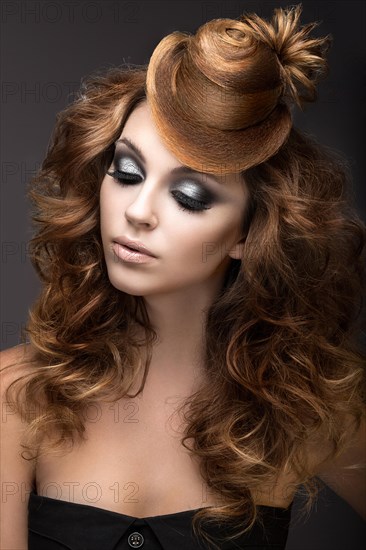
column 221, row 98
column 302, row 58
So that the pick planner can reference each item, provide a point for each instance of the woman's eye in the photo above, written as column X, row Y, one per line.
column 125, row 178
column 189, row 204
column 126, row 172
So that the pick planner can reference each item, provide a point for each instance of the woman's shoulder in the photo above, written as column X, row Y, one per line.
column 15, row 362
column 318, row 448
column 345, row 471
column 19, row 357
column 17, row 473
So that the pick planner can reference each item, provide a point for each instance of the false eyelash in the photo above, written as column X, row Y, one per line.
column 188, row 204
column 120, row 176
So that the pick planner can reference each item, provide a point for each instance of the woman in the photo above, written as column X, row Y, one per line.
column 193, row 353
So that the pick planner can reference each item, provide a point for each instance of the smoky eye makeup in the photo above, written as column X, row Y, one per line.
column 127, row 165
column 124, row 156
column 125, row 169
column 191, row 195
column 193, row 191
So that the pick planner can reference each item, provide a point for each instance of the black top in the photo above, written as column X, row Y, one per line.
column 55, row 524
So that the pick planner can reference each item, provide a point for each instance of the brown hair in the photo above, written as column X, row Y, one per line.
column 282, row 358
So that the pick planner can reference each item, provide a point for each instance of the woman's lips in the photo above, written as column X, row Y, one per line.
column 133, row 244
column 128, row 255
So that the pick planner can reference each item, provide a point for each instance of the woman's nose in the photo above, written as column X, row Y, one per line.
column 141, row 209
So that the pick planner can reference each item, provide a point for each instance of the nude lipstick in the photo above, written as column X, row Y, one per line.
column 132, row 251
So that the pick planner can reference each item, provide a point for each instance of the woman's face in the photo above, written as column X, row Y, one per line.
column 190, row 222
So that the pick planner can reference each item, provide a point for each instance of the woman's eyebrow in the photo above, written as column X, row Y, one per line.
column 178, row 170
column 132, row 146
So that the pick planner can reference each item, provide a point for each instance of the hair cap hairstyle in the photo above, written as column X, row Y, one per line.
column 222, row 98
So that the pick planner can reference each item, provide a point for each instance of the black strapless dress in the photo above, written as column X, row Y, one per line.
column 55, row 524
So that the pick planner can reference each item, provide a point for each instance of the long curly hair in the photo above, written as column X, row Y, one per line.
column 282, row 354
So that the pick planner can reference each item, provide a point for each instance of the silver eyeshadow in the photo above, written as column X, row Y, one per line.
column 125, row 164
column 191, row 189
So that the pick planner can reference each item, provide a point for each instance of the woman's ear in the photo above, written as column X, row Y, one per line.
column 236, row 252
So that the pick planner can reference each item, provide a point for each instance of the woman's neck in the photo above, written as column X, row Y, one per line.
column 179, row 321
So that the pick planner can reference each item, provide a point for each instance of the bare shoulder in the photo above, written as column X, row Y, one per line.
column 17, row 474
column 14, row 363
column 17, row 355
column 345, row 474
column 318, row 449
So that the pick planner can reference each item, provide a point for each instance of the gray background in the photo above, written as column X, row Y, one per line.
column 48, row 46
